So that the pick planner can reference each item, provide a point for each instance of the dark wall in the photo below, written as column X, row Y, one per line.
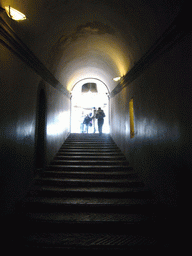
column 161, row 148
column 19, row 93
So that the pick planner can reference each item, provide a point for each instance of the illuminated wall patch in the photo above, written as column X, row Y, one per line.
column 131, row 115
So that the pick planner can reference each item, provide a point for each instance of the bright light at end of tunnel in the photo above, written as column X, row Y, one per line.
column 14, row 14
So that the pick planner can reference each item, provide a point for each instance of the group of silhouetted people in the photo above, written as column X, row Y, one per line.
column 89, row 120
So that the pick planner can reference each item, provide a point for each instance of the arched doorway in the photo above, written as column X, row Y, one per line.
column 87, row 95
column 41, row 130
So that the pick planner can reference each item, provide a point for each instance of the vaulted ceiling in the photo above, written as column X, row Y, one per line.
column 101, row 39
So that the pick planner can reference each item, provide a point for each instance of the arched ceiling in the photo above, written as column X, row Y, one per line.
column 101, row 39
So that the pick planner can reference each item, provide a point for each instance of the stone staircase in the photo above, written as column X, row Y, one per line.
column 89, row 198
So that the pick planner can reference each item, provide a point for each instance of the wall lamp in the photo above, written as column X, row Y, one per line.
column 13, row 13
column 116, row 79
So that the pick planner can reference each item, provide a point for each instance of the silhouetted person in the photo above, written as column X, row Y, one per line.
column 100, row 119
column 87, row 121
column 93, row 119
column 82, row 122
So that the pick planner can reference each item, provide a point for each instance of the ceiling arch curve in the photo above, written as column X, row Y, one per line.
column 93, row 50
column 103, row 39
column 102, row 88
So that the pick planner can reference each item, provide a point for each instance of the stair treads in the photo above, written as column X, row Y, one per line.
column 89, row 142
column 90, row 182
column 89, row 201
column 85, row 161
column 92, row 191
column 97, row 182
column 97, row 189
column 89, row 167
column 89, row 149
column 88, row 217
column 89, row 174
column 89, row 157
column 92, row 241
column 88, row 196
column 92, row 172
column 88, row 153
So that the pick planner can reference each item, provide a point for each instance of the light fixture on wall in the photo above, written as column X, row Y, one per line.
column 116, row 79
column 14, row 14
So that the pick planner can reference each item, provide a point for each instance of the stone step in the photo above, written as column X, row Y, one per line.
column 89, row 148
column 87, row 204
column 89, row 174
column 88, row 142
column 88, row 242
column 66, row 182
column 89, row 153
column 93, row 223
column 107, row 192
column 85, row 168
column 90, row 162
column 93, row 142
column 89, row 135
column 89, row 157
column 94, row 150
column 88, row 218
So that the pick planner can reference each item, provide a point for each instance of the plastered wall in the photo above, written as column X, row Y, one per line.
column 161, row 148
column 19, row 87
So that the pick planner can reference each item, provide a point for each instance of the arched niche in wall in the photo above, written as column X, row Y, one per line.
column 40, row 148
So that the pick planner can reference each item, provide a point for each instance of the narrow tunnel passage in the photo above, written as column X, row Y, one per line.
column 146, row 43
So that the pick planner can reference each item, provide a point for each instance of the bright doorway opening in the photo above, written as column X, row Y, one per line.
column 88, row 95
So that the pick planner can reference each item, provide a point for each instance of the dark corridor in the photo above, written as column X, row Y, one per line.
column 140, row 50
